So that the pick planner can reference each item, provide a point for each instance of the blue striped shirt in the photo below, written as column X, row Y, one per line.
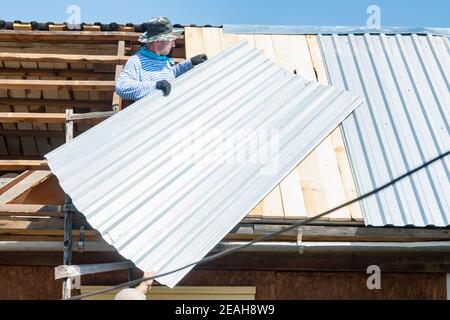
column 140, row 75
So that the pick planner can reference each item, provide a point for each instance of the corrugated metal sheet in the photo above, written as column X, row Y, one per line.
column 404, row 122
column 293, row 29
column 163, row 212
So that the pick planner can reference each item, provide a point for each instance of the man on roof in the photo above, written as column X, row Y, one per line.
column 151, row 69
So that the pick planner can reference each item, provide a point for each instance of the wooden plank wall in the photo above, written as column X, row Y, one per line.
column 19, row 282
column 324, row 179
column 270, row 285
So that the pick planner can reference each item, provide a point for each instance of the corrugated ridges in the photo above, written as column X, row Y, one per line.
column 163, row 212
column 404, row 123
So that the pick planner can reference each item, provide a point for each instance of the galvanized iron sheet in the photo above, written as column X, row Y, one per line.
column 160, row 182
column 403, row 123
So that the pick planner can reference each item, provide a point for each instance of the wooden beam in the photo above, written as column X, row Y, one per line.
column 28, row 208
column 22, row 26
column 62, row 58
column 69, row 126
column 62, row 272
column 90, row 116
column 58, row 85
column 17, row 117
column 66, row 104
column 34, row 237
column 10, row 72
column 14, row 182
column 38, row 226
column 20, row 157
column 59, row 48
column 359, row 234
column 44, row 246
column 117, row 102
column 28, row 215
column 34, row 178
column 18, row 165
column 57, row 27
column 32, row 133
column 91, row 27
column 52, row 227
column 68, row 36
column 127, row 29
column 389, row 262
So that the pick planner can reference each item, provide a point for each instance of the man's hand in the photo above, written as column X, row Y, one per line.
column 145, row 286
column 199, row 59
column 164, row 86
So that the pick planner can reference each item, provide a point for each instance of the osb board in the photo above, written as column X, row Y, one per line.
column 325, row 285
column 323, row 180
column 29, row 283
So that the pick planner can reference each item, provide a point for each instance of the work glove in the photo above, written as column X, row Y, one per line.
column 199, row 59
column 164, row 86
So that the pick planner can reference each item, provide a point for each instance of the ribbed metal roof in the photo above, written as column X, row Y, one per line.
column 162, row 209
column 298, row 29
column 403, row 123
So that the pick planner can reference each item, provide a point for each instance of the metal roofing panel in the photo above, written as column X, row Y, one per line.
column 162, row 207
column 292, row 29
column 403, row 123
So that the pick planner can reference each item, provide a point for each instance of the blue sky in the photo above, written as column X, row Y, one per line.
column 402, row 13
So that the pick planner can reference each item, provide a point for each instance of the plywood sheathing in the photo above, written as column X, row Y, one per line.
column 323, row 180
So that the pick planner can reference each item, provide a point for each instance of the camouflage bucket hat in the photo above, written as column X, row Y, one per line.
column 160, row 29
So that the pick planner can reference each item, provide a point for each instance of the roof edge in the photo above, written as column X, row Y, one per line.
column 293, row 29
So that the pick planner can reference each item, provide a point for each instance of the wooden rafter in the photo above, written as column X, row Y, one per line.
column 18, row 117
column 64, row 104
column 30, row 209
column 117, row 100
column 19, row 165
column 32, row 133
column 56, row 73
column 62, row 58
column 26, row 181
column 65, row 36
column 57, row 85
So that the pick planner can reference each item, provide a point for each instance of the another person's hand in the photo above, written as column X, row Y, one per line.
column 199, row 59
column 145, row 286
column 164, row 86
